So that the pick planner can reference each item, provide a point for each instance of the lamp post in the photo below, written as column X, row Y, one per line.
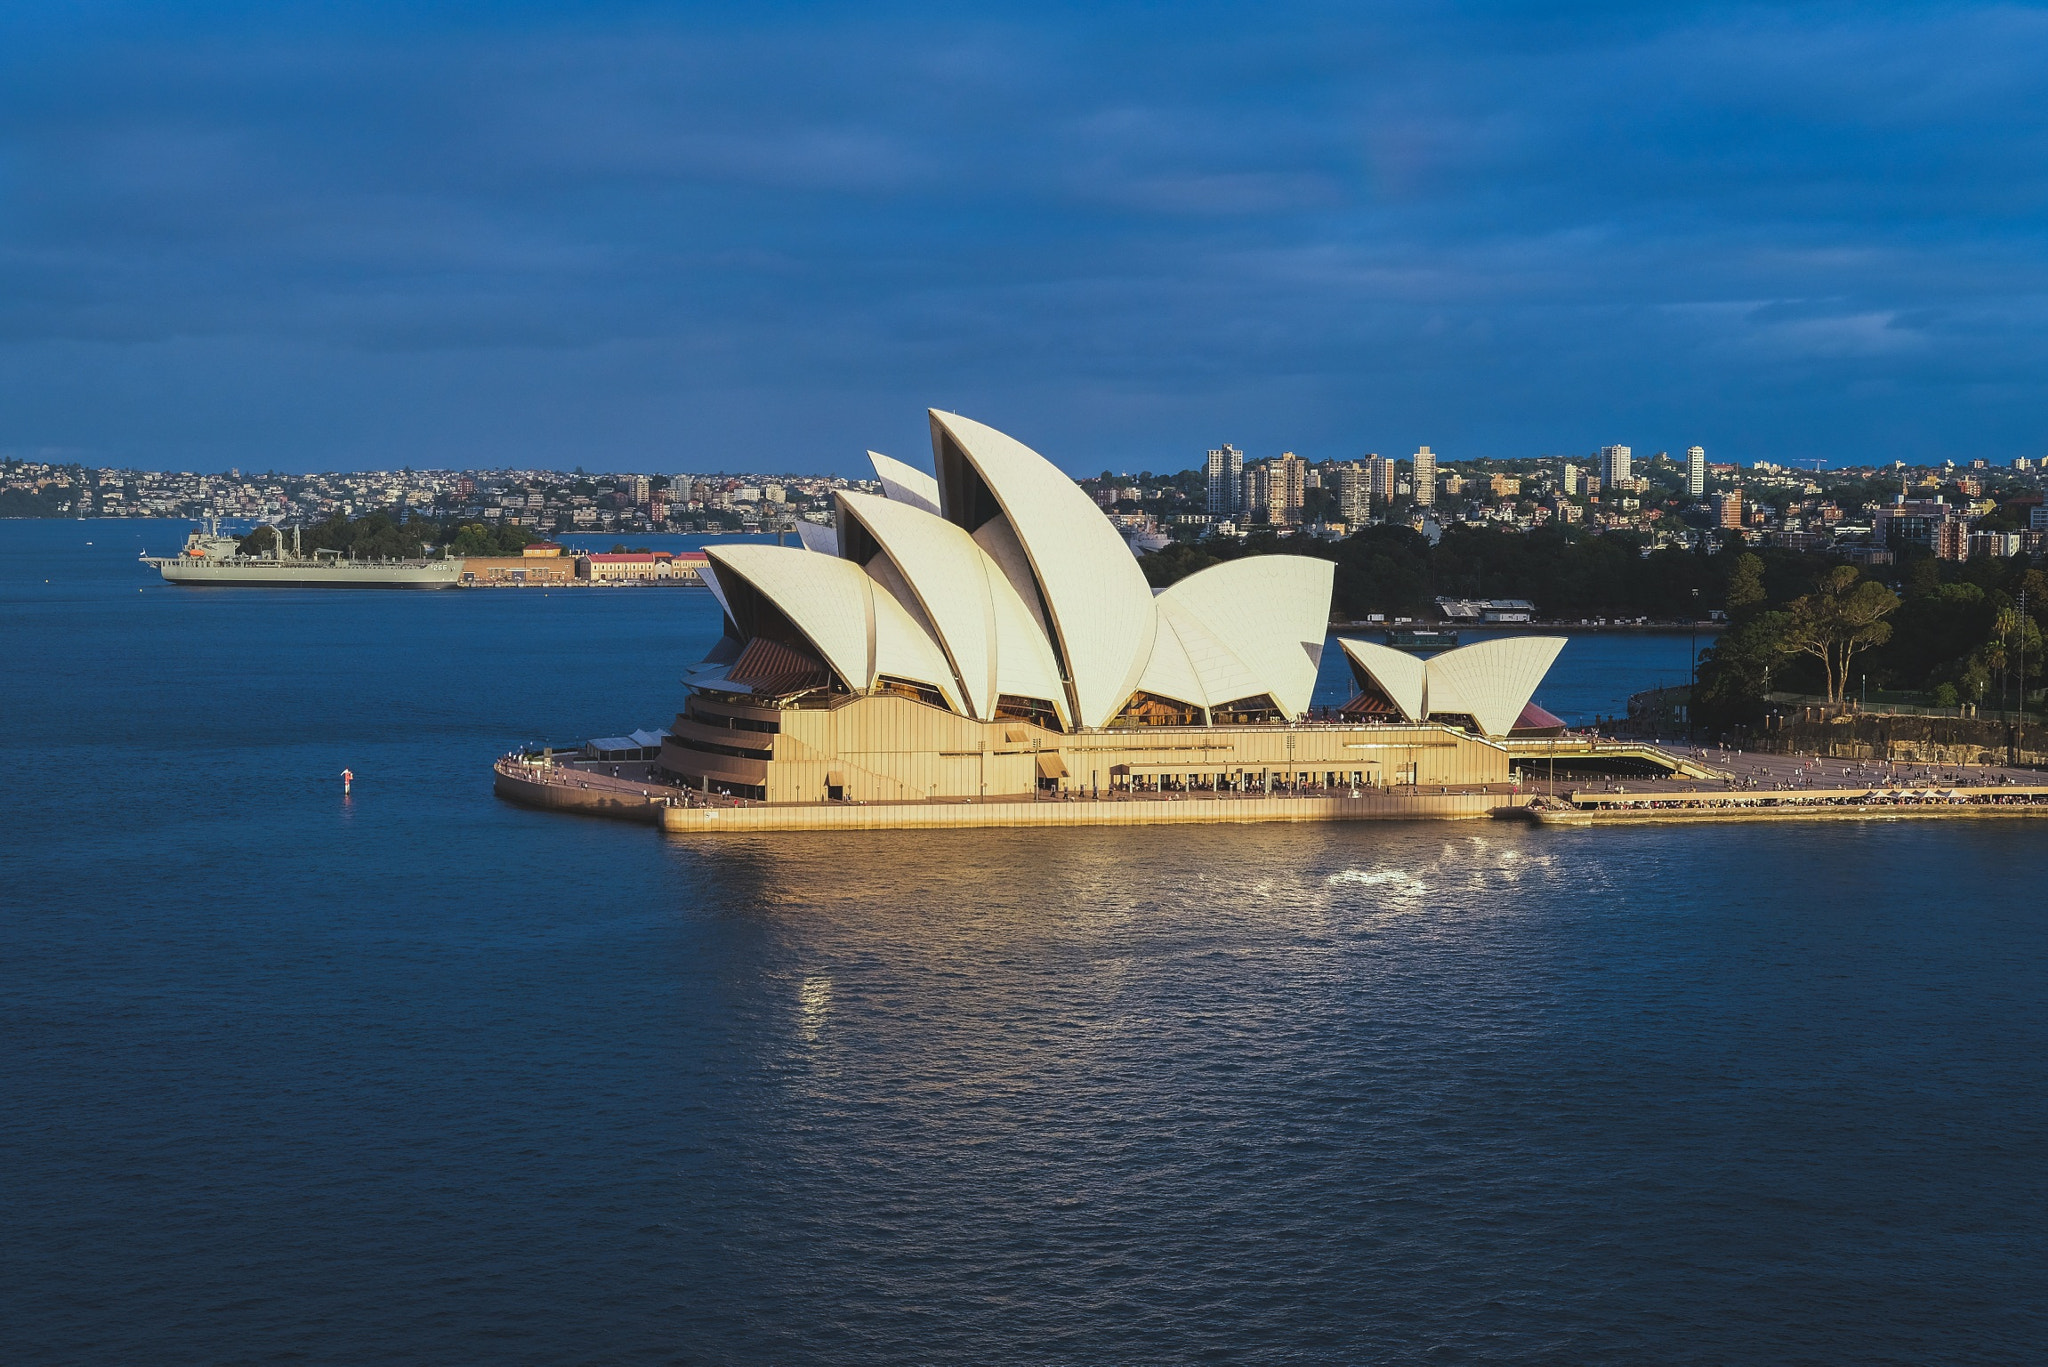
column 1692, row 691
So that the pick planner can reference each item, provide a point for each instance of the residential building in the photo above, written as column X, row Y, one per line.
column 1728, row 508
column 1425, row 476
column 1275, row 489
column 1571, row 481
column 1952, row 540
column 1354, row 494
column 1695, row 471
column 1379, row 475
column 1614, row 461
column 1918, row 522
column 1226, row 482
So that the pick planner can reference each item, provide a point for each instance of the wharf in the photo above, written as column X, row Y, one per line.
column 1546, row 627
column 1811, row 804
column 1762, row 787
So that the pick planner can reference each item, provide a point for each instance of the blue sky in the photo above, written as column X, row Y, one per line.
column 769, row 236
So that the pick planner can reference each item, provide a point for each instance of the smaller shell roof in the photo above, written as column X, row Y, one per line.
column 1265, row 618
column 1491, row 681
column 860, row 632
column 905, row 483
column 1401, row 676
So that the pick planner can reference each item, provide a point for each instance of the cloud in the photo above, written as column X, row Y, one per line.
column 638, row 237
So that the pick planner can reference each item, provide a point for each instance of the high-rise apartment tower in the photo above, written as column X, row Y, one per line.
column 1614, row 462
column 1226, row 482
column 1379, row 477
column 1695, row 471
column 1354, row 497
column 1275, row 489
column 1425, row 477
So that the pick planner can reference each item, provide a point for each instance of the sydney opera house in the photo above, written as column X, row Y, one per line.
column 986, row 634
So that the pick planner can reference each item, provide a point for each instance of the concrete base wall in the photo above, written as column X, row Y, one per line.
column 563, row 795
column 967, row 815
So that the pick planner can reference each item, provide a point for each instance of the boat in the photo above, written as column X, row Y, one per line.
column 1421, row 639
column 213, row 557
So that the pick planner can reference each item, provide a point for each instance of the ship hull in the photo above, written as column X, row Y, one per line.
column 435, row 574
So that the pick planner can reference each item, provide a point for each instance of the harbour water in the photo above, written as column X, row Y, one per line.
column 422, row 1077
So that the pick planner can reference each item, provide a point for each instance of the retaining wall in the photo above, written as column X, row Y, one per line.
column 1903, row 739
column 964, row 815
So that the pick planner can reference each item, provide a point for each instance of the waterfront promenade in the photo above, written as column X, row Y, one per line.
column 1756, row 787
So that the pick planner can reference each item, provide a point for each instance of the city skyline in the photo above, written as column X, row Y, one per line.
column 626, row 239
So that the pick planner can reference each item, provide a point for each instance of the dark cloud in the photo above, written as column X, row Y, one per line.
column 770, row 237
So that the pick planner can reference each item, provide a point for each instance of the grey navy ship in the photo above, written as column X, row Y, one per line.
column 213, row 557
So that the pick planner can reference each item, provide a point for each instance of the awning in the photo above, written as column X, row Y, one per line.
column 1050, row 765
column 773, row 669
column 836, row 778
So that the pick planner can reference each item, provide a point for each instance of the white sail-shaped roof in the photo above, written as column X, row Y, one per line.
column 1100, row 607
column 905, row 483
column 904, row 650
column 1491, row 681
column 1192, row 664
column 1001, row 578
column 827, row 600
column 1001, row 545
column 859, row 631
column 1404, row 678
column 990, row 639
column 816, row 536
column 1171, row 673
column 1267, row 616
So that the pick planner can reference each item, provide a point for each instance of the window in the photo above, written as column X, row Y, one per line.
column 1245, row 711
column 706, row 747
column 697, row 714
column 1149, row 709
column 1037, row 711
column 907, row 688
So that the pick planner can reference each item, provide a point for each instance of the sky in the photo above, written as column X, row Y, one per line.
column 769, row 236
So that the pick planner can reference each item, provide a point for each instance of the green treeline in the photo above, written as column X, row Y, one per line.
column 1941, row 633
column 484, row 538
column 1566, row 572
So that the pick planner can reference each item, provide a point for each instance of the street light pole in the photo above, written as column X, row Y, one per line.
column 1692, row 692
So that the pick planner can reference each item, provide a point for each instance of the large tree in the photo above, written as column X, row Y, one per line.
column 1844, row 614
